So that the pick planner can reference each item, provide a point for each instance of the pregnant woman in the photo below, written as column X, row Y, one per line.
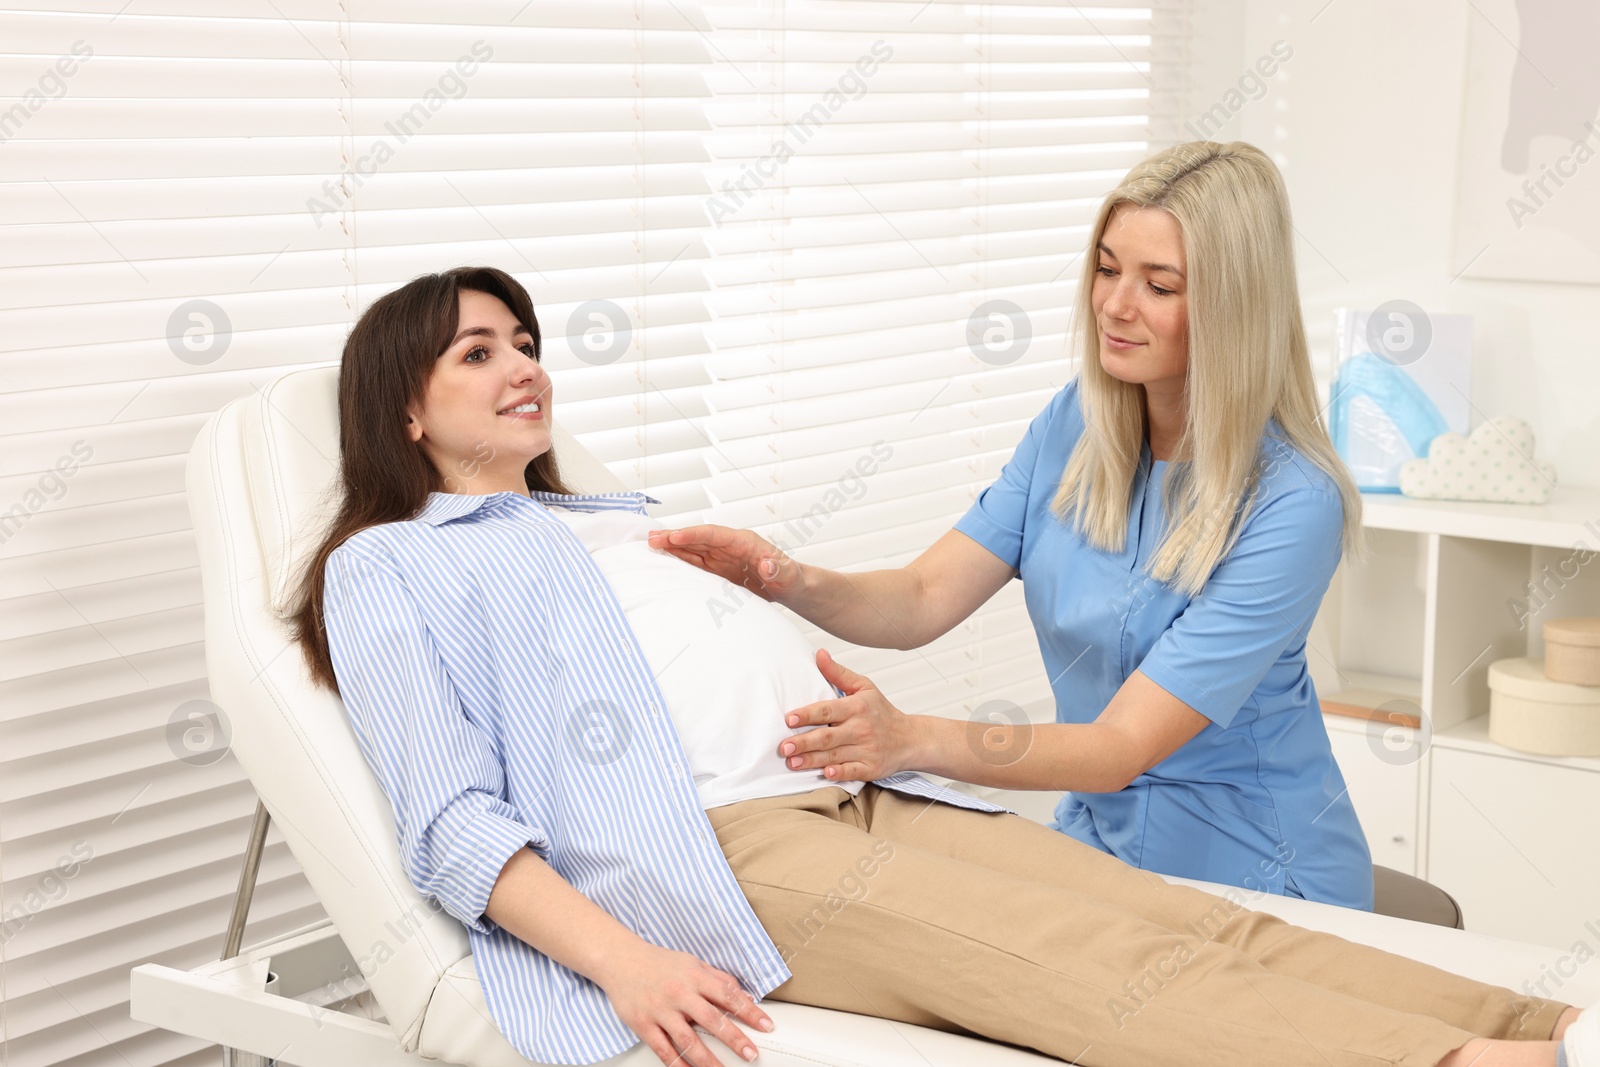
column 1175, row 514
column 583, row 771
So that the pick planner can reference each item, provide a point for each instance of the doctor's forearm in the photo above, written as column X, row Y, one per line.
column 1087, row 758
column 878, row 609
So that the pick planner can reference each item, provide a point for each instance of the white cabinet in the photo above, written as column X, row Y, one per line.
column 1383, row 790
column 1514, row 841
column 1446, row 589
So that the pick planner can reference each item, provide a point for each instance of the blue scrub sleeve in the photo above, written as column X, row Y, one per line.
column 996, row 518
column 1260, row 600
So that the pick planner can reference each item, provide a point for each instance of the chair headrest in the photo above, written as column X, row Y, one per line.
column 292, row 471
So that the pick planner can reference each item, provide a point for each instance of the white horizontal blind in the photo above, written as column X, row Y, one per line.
column 283, row 165
column 573, row 158
column 903, row 193
column 132, row 189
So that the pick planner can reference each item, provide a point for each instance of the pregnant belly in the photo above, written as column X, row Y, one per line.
column 729, row 664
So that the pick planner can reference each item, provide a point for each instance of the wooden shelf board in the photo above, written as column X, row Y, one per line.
column 1367, row 695
column 1354, row 711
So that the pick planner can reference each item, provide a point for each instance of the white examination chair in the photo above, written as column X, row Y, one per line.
column 257, row 478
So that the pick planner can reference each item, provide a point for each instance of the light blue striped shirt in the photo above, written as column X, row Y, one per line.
column 481, row 656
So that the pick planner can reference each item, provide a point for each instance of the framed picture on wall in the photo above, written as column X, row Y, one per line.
column 1528, row 174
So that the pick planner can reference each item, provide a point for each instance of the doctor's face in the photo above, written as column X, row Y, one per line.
column 485, row 410
column 1138, row 298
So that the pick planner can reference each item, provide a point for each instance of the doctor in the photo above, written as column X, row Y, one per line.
column 1175, row 514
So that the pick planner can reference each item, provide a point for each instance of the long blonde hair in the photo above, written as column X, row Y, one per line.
column 1248, row 362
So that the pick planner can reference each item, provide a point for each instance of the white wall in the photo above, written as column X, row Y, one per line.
column 1365, row 119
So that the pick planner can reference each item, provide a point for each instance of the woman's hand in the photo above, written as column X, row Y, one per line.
column 740, row 556
column 859, row 737
column 661, row 995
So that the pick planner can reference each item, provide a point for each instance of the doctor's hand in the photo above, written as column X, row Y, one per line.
column 740, row 556
column 662, row 995
column 859, row 737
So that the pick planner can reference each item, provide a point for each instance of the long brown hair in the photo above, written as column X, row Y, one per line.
column 384, row 475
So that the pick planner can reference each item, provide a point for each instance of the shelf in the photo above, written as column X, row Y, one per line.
column 1363, row 705
column 1444, row 589
column 1364, row 693
column 1473, row 736
column 1571, row 515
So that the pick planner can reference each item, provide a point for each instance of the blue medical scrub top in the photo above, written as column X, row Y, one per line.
column 1255, row 799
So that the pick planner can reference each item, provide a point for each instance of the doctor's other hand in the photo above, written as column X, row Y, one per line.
column 858, row 737
column 740, row 556
column 662, row 995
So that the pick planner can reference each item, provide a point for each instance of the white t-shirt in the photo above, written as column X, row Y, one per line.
column 729, row 664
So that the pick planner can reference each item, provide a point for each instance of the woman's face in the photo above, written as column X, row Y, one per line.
column 465, row 424
column 1138, row 298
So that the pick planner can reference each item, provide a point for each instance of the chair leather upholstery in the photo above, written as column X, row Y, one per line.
column 1408, row 897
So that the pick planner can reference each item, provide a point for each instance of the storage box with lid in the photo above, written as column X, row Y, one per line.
column 1572, row 650
column 1531, row 713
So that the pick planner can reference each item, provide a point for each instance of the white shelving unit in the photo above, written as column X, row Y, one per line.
column 1447, row 589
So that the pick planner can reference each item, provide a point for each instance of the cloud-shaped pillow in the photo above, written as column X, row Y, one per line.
column 1495, row 464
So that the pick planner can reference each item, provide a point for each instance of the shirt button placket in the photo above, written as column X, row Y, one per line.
column 670, row 763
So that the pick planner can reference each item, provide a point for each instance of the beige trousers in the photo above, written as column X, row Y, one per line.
column 888, row 905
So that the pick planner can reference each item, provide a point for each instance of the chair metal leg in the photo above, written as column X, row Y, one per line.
column 241, row 912
column 247, row 882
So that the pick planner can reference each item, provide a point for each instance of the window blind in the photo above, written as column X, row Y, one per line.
column 208, row 195
column 195, row 197
column 901, row 194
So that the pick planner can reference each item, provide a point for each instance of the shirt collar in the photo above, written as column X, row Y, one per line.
column 441, row 508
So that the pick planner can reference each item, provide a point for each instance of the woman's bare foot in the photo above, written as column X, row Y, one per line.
column 1481, row 1052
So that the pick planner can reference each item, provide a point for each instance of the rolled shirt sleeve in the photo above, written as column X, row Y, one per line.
column 443, row 778
column 1259, row 601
